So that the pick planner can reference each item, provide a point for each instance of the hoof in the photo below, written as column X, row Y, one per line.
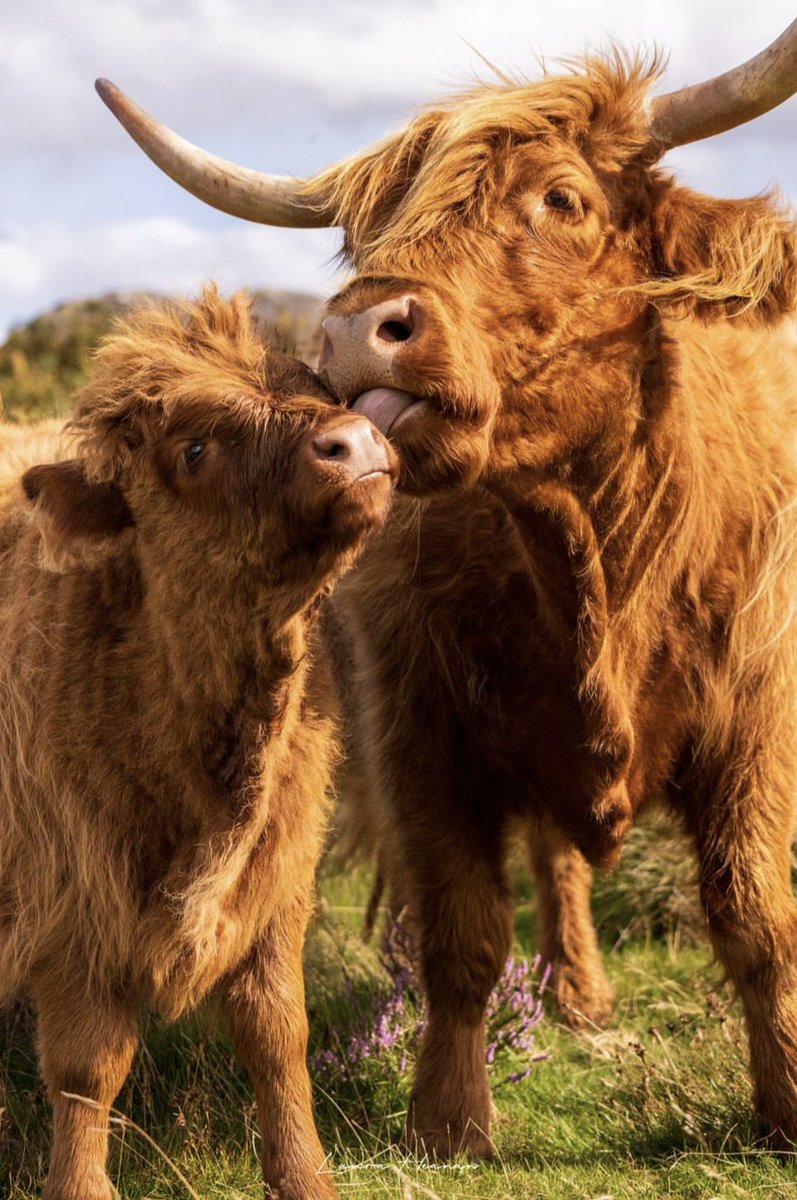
column 442, row 1140
column 583, row 1003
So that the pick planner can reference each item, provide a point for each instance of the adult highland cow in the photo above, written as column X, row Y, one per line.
column 164, row 752
column 589, row 373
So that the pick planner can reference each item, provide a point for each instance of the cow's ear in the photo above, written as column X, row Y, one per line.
column 81, row 521
column 722, row 258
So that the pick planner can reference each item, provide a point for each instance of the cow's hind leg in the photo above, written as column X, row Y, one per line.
column 86, row 1045
column 567, row 937
column 743, row 840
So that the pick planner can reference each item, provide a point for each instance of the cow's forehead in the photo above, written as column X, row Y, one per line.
column 455, row 162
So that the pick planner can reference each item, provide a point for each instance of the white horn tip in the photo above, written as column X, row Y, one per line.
column 105, row 89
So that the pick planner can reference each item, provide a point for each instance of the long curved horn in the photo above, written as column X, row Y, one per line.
column 269, row 199
column 728, row 100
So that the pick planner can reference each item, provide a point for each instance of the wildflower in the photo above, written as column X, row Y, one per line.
column 384, row 1041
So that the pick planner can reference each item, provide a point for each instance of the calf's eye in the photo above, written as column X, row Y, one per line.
column 193, row 453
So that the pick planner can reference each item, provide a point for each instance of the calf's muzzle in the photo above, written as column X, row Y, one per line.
column 348, row 448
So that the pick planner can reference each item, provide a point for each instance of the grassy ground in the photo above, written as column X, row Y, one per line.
column 658, row 1105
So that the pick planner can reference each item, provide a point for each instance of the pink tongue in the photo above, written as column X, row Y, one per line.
column 383, row 406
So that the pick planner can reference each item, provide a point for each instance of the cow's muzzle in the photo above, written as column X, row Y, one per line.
column 366, row 352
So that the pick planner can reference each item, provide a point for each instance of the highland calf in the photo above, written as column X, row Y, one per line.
column 590, row 374
column 164, row 749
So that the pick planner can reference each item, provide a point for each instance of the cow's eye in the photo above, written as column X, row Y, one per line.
column 193, row 453
column 564, row 201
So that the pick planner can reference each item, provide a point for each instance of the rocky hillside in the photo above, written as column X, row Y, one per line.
column 44, row 362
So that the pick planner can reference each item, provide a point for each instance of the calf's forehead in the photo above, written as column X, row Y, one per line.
column 210, row 405
column 288, row 379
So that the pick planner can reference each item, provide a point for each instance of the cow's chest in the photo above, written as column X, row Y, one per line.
column 462, row 646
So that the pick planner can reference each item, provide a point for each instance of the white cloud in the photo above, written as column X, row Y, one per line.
column 39, row 264
column 263, row 62
column 286, row 87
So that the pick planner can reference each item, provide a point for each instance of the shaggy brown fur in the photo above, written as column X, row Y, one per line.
column 164, row 752
column 607, row 363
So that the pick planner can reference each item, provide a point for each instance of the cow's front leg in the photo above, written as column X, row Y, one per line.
column 567, row 937
column 86, row 1043
column 264, row 1002
column 743, row 828
column 463, row 909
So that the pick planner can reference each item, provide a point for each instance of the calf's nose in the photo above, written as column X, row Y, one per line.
column 366, row 344
column 352, row 447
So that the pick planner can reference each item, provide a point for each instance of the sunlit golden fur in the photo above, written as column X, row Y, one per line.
column 451, row 162
column 165, row 737
column 587, row 601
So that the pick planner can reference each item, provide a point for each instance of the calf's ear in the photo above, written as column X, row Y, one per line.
column 80, row 521
column 722, row 258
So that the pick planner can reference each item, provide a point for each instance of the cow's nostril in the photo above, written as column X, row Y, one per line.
column 394, row 331
column 329, row 447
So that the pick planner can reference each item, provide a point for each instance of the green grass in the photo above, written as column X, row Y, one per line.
column 657, row 1105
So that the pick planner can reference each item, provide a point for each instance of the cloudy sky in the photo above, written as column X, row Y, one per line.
column 288, row 86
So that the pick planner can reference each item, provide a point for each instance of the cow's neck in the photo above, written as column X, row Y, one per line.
column 600, row 531
column 594, row 517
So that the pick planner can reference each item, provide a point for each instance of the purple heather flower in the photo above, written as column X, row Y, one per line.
column 396, row 1024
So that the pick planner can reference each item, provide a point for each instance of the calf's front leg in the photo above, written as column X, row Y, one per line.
column 264, row 1003
column 86, row 1044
